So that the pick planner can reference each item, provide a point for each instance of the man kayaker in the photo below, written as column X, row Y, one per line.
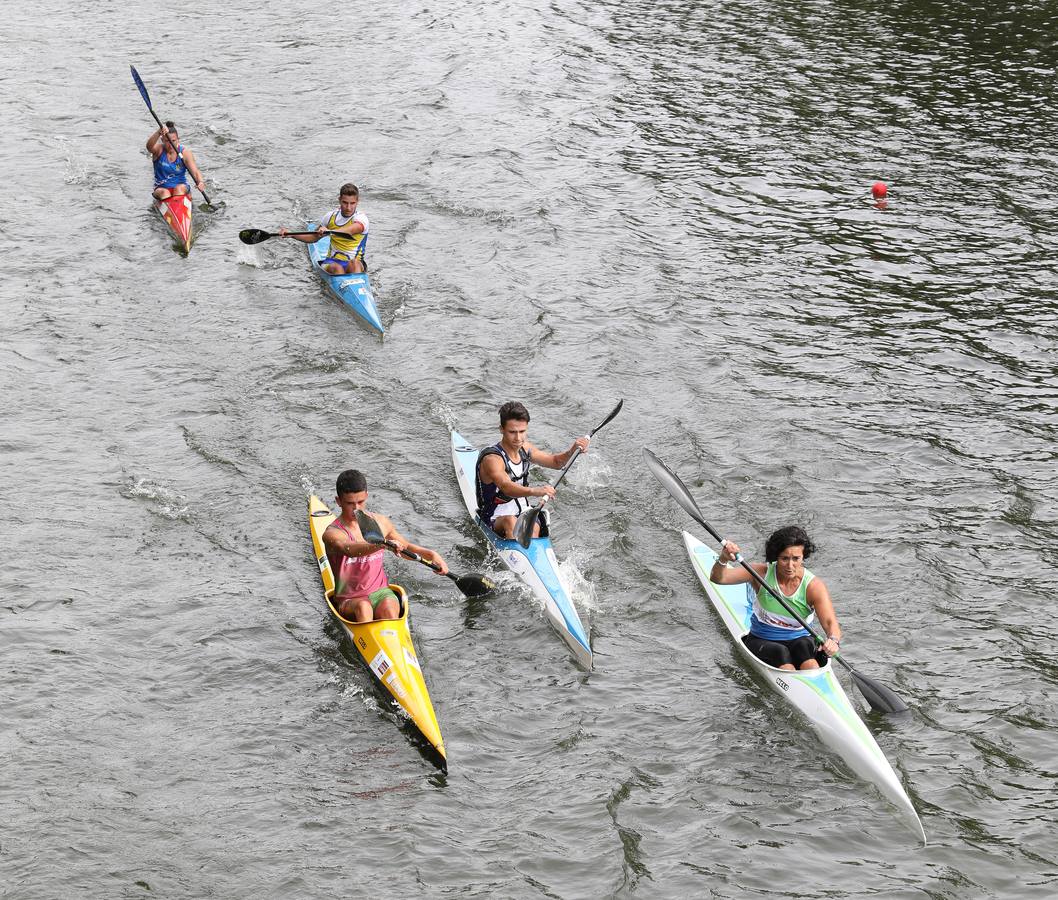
column 172, row 162
column 361, row 591
column 346, row 254
column 502, row 478
column 774, row 635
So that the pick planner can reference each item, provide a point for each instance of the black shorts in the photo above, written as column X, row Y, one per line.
column 780, row 653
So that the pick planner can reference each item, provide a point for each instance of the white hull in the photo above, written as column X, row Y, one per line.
column 816, row 693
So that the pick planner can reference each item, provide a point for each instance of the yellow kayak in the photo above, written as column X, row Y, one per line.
column 385, row 645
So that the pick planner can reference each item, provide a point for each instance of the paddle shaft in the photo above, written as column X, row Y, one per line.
column 561, row 475
column 471, row 585
column 577, row 451
column 257, row 235
column 411, row 554
column 147, row 99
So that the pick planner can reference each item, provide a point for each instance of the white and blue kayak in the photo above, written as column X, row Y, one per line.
column 816, row 693
column 353, row 290
column 536, row 566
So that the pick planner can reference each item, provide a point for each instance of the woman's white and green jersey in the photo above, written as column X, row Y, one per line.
column 770, row 620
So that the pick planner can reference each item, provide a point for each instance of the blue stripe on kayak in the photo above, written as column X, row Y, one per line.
column 537, row 556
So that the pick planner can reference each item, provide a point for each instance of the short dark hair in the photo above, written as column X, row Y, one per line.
column 351, row 481
column 788, row 536
column 348, row 190
column 513, row 410
column 170, row 125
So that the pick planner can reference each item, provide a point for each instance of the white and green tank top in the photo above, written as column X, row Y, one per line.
column 773, row 623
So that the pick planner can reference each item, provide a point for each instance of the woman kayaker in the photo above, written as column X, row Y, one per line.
column 774, row 635
column 172, row 162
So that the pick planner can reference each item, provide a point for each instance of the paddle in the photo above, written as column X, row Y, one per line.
column 256, row 235
column 523, row 528
column 147, row 99
column 881, row 698
column 472, row 585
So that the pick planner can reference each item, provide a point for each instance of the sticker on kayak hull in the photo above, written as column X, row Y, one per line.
column 381, row 664
column 411, row 660
column 395, row 686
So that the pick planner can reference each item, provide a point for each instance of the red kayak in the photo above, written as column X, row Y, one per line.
column 176, row 211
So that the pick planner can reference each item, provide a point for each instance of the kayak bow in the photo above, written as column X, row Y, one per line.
column 176, row 213
column 353, row 290
column 385, row 645
column 535, row 565
column 816, row 693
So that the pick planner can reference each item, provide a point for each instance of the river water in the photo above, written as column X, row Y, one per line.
column 570, row 203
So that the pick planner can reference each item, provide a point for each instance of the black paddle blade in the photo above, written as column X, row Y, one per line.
column 253, row 235
column 523, row 528
column 878, row 696
column 609, row 418
column 369, row 528
column 474, row 585
column 677, row 489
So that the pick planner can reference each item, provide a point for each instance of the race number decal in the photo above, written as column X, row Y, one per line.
column 380, row 665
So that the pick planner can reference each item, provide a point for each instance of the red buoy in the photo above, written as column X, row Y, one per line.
column 879, row 190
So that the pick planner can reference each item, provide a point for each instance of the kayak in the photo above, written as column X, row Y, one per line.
column 353, row 290
column 385, row 645
column 176, row 213
column 816, row 693
column 536, row 566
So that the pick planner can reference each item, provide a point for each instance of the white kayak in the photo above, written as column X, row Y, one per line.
column 816, row 693
column 535, row 565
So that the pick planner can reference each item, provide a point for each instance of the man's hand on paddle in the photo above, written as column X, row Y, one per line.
column 435, row 557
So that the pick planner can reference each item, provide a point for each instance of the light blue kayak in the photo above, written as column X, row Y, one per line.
column 353, row 290
column 536, row 566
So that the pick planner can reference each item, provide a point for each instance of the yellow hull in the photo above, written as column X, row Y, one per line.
column 385, row 645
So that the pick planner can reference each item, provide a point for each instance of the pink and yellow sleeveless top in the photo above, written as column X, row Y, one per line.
column 356, row 576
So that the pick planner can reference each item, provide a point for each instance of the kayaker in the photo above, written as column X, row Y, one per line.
column 346, row 255
column 502, row 478
column 362, row 591
column 774, row 635
column 172, row 162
